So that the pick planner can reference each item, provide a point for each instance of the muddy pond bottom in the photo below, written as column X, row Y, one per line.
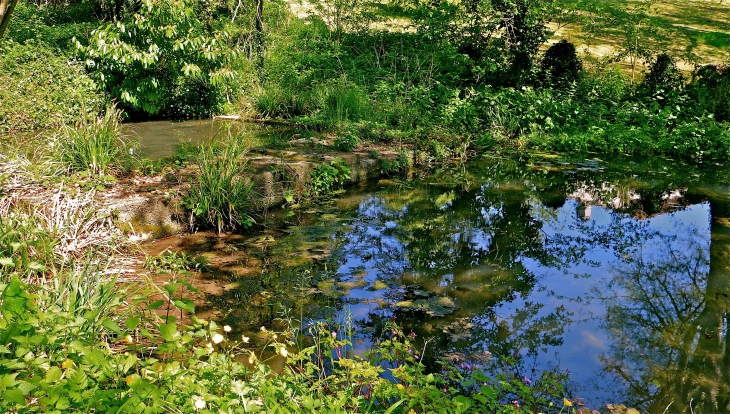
column 615, row 270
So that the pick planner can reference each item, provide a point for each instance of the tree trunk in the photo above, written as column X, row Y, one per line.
column 259, row 34
column 6, row 9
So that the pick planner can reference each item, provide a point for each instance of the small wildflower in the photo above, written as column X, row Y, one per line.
column 401, row 387
column 263, row 328
column 527, row 380
column 245, row 339
column 67, row 363
column 227, row 328
column 209, row 347
column 283, row 352
column 412, row 335
column 252, row 358
column 217, row 338
column 129, row 339
column 516, row 404
column 567, row 402
column 334, row 334
column 198, row 403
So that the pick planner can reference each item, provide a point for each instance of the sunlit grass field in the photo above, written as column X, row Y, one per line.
column 693, row 31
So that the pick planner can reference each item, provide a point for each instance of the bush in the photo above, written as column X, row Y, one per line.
column 561, row 65
column 324, row 177
column 663, row 76
column 710, row 88
column 42, row 89
column 166, row 46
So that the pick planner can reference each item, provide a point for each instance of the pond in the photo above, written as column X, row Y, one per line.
column 616, row 270
column 160, row 139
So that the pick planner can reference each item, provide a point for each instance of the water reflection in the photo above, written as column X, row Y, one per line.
column 579, row 265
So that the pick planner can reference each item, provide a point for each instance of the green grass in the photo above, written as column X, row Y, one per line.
column 94, row 144
column 221, row 194
column 694, row 30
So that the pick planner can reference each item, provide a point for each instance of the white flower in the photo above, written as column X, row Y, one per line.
column 245, row 339
column 283, row 352
column 217, row 338
column 198, row 402
column 227, row 328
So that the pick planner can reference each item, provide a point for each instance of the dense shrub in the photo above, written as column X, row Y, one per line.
column 663, row 76
column 710, row 88
column 41, row 89
column 561, row 65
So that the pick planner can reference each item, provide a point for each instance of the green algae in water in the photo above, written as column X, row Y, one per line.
column 435, row 307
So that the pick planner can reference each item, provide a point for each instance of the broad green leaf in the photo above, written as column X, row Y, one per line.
column 168, row 331
column 185, row 304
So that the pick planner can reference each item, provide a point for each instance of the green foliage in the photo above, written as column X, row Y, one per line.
column 94, row 144
column 397, row 166
column 710, row 88
column 164, row 48
column 220, row 194
column 26, row 250
column 663, row 76
column 52, row 26
column 176, row 263
column 42, row 89
column 561, row 65
column 66, row 348
column 346, row 141
column 326, row 176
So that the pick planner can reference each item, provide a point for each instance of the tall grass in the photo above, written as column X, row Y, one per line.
column 94, row 144
column 220, row 196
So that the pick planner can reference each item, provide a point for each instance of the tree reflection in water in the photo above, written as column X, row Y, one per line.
column 667, row 313
column 579, row 266
column 501, row 248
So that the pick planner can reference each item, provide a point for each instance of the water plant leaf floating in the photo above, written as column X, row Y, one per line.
column 435, row 307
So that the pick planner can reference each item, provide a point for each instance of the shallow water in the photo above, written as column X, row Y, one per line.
column 158, row 139
column 616, row 270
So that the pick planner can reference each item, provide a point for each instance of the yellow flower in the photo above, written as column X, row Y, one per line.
column 217, row 338
column 400, row 387
column 567, row 403
column 129, row 339
column 227, row 328
column 67, row 363
column 130, row 379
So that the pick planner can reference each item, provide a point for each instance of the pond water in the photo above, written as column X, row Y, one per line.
column 616, row 270
column 160, row 139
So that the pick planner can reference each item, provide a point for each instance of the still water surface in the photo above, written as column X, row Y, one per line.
column 616, row 270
